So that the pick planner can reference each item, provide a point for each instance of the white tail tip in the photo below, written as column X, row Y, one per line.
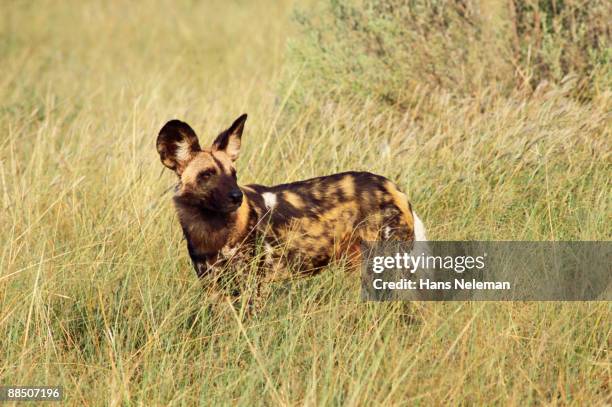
column 420, row 234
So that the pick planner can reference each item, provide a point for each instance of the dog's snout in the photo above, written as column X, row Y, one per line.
column 235, row 196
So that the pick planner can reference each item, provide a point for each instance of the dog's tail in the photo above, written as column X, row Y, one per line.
column 420, row 234
column 421, row 247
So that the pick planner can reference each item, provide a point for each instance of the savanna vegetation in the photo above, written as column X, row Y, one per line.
column 494, row 117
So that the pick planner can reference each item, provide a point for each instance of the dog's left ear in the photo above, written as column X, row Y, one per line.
column 177, row 144
column 229, row 140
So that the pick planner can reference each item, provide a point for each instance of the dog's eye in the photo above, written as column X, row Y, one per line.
column 205, row 175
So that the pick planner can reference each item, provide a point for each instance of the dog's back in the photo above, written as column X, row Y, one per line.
column 315, row 220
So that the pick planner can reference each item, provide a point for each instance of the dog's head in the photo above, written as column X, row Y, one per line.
column 208, row 175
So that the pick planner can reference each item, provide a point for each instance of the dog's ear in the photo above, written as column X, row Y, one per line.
column 177, row 144
column 229, row 140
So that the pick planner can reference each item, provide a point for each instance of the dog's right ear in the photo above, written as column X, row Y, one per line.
column 177, row 144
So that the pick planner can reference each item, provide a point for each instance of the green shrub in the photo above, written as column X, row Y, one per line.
column 384, row 50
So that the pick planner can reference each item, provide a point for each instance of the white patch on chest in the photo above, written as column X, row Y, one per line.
column 269, row 200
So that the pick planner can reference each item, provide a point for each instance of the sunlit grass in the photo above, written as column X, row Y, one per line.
column 96, row 290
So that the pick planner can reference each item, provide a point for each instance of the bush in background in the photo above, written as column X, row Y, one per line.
column 384, row 50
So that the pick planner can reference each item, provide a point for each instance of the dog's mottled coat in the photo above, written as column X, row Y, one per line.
column 307, row 223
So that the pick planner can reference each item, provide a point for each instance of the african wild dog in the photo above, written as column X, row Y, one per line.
column 307, row 222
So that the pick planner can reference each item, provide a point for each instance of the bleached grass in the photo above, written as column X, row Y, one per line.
column 96, row 290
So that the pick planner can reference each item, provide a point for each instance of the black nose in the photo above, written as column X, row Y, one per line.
column 235, row 196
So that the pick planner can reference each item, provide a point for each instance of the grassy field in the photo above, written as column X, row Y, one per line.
column 97, row 293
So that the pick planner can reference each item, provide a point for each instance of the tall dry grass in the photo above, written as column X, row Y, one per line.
column 96, row 290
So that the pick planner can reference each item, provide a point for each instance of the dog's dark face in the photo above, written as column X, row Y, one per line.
column 208, row 176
